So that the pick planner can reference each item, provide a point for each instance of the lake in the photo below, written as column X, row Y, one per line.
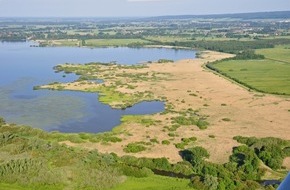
column 22, row 67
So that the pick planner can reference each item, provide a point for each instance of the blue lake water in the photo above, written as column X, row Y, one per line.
column 22, row 67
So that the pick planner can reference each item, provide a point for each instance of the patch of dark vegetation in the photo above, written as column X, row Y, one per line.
column 271, row 151
column 232, row 46
column 165, row 142
column 36, row 88
column 160, row 164
column 173, row 127
column 36, row 160
column 190, row 120
column 134, row 148
column 185, row 142
column 247, row 54
column 165, row 61
column 242, row 172
column 226, row 119
column 192, row 94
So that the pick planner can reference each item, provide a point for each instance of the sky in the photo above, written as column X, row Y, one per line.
column 133, row 8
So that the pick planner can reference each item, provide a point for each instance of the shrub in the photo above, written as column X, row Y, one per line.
column 286, row 151
column 134, row 148
column 202, row 124
column 111, row 139
column 174, row 127
column 211, row 136
column 226, row 119
column 182, row 120
column 165, row 61
column 183, row 167
column 171, row 134
column 165, row 142
column 75, row 139
column 135, row 171
column 154, row 141
column 180, row 145
column 192, row 94
column 36, row 88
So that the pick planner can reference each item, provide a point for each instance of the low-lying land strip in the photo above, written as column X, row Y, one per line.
column 95, row 42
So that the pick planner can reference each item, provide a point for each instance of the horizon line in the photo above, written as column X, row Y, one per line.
column 152, row 16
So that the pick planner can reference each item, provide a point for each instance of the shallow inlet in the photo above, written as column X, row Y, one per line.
column 23, row 67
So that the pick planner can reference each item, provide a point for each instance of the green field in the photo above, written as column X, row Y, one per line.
column 270, row 75
column 171, row 38
column 5, row 186
column 11, row 187
column 154, row 182
column 132, row 183
column 281, row 53
column 263, row 75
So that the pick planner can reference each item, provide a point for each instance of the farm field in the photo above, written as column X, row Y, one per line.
column 280, row 53
column 263, row 75
column 171, row 38
column 270, row 75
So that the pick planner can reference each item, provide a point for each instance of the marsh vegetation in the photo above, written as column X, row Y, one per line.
column 196, row 142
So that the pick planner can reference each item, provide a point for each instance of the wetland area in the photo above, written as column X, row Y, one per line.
column 67, row 111
column 172, row 102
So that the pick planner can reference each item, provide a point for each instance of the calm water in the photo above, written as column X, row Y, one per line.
column 22, row 67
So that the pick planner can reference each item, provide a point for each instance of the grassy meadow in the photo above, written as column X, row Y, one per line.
column 263, row 75
column 131, row 183
column 154, row 182
column 270, row 75
column 280, row 53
